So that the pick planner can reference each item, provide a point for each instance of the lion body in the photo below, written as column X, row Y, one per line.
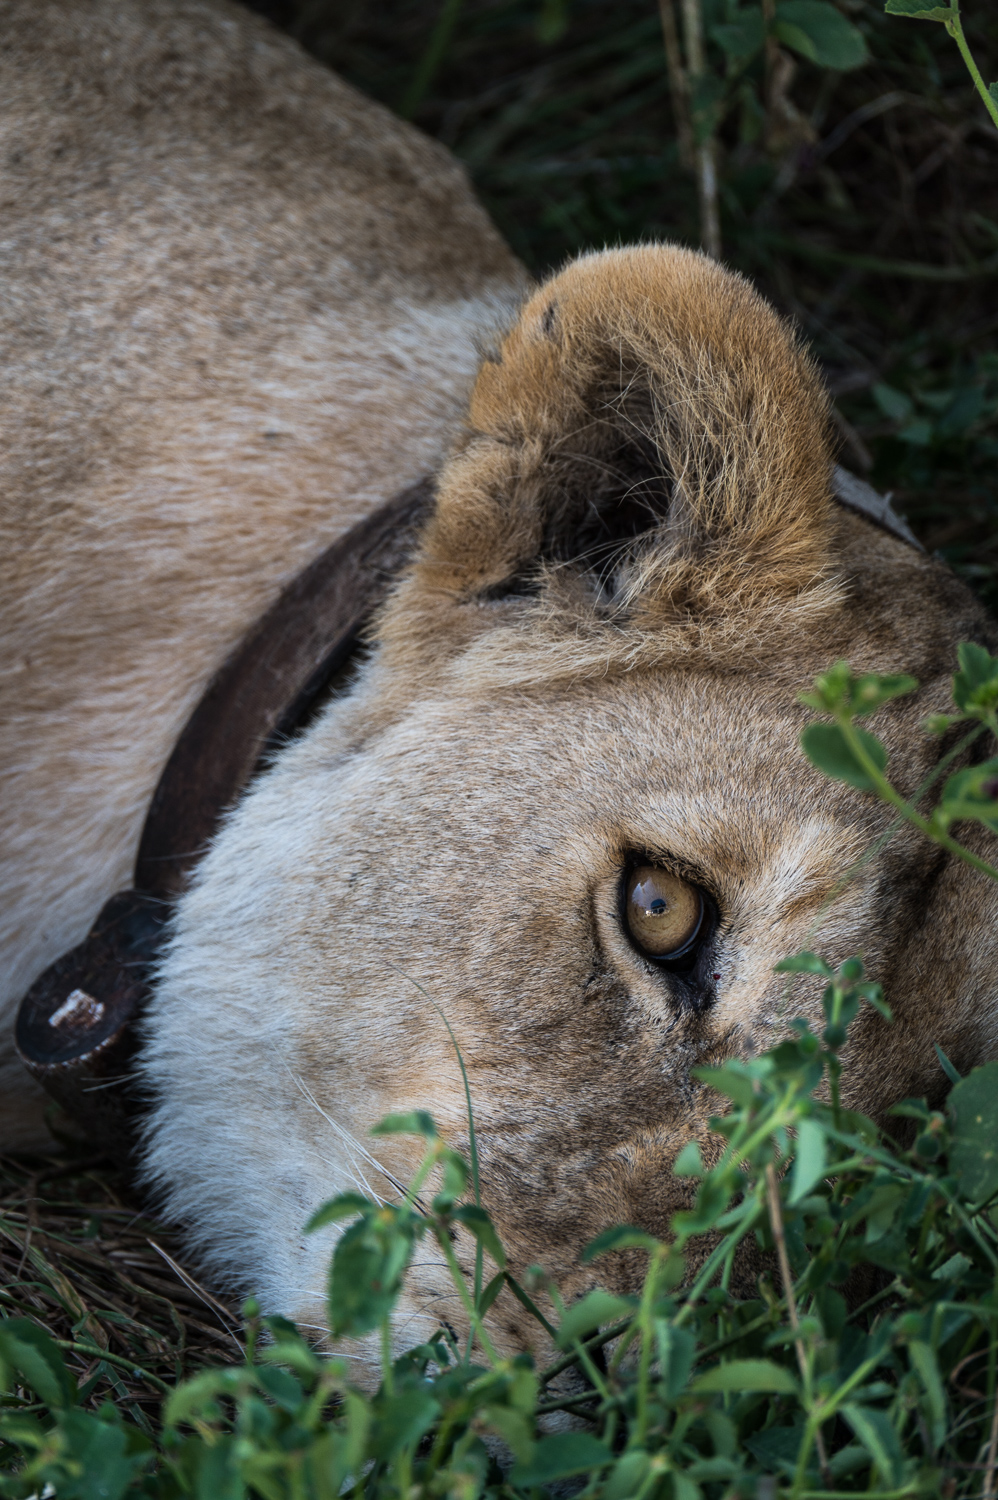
column 634, row 565
column 241, row 304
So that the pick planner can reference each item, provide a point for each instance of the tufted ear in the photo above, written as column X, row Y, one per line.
column 651, row 423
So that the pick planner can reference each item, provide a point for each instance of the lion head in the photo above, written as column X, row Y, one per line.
column 562, row 813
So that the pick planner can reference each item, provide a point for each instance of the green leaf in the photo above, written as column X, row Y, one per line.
column 733, row 1080
column 295, row 1354
column 707, row 95
column 478, row 1223
column 971, row 794
column 973, row 1158
column 491, row 1292
column 743, row 38
column 455, row 1180
column 953, row 1269
column 26, row 1348
column 875, row 1432
column 552, row 21
column 840, row 688
column 100, row 1454
column 526, row 1301
column 777, row 1448
column 401, row 1420
column 745, row 1375
column 677, row 1350
column 827, row 748
column 514, row 1427
column 413, row 1122
column 369, row 1262
column 918, row 432
column 282, row 1388
column 809, row 1160
column 344, row 1206
column 821, row 33
column 620, row 1237
column 689, row 1162
column 629, row 1473
column 920, row 10
column 804, row 963
column 559, row 1456
column 946, row 1065
column 882, row 1210
column 594, row 1310
column 975, row 686
column 993, row 92
column 893, row 403
column 196, row 1399
column 923, row 1360
column 961, row 412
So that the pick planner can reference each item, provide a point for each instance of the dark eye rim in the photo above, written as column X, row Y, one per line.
column 680, row 959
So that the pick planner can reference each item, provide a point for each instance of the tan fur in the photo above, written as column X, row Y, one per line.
column 634, row 566
column 594, row 657
column 240, row 311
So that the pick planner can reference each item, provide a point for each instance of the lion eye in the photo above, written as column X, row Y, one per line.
column 664, row 913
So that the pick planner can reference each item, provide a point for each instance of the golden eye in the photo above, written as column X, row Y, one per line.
column 664, row 913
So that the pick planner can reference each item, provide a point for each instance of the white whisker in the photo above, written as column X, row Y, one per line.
column 354, row 1147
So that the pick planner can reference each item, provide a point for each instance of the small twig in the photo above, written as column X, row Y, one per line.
column 212, row 1303
column 772, row 62
column 31, row 1204
column 426, row 68
column 988, row 1492
column 776, row 1223
column 703, row 134
column 852, row 440
column 678, row 84
column 114, row 1359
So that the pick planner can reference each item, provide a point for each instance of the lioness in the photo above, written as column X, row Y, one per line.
column 561, row 805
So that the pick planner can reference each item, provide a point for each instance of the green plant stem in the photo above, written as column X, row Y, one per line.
column 95, row 1352
column 387, row 1373
column 646, row 1326
column 955, row 29
column 431, row 59
column 786, row 1275
column 710, row 1265
column 605, row 1336
column 903, row 1494
column 443, row 1240
column 823, row 1412
column 911, row 270
column 888, row 793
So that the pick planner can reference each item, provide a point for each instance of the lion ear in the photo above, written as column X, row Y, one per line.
column 646, row 401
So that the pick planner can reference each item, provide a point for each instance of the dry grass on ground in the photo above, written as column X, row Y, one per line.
column 81, row 1256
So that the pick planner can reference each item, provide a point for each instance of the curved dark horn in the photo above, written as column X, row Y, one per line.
column 76, row 1027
